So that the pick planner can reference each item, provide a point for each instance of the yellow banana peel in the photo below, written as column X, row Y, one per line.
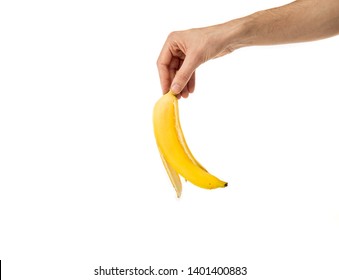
column 174, row 151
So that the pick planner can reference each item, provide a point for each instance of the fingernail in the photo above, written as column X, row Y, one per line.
column 175, row 88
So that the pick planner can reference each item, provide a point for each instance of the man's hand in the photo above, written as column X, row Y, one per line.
column 183, row 52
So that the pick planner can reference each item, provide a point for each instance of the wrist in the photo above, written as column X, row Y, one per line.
column 236, row 34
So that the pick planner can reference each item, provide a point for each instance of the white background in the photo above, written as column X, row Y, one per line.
column 81, row 181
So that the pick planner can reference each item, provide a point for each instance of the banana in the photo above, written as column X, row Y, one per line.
column 184, row 144
column 173, row 175
column 176, row 156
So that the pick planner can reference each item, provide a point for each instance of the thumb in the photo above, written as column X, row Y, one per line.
column 183, row 75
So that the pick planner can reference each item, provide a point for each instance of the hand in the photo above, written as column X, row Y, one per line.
column 183, row 52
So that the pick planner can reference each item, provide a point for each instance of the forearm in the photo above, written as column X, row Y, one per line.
column 299, row 21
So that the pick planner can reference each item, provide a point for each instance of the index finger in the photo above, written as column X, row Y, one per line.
column 163, row 63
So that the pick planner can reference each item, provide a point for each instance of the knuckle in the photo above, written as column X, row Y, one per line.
column 183, row 78
column 158, row 62
column 172, row 35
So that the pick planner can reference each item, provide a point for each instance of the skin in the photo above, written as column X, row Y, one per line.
column 299, row 21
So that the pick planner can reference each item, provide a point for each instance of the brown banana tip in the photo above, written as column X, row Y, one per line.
column 226, row 184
